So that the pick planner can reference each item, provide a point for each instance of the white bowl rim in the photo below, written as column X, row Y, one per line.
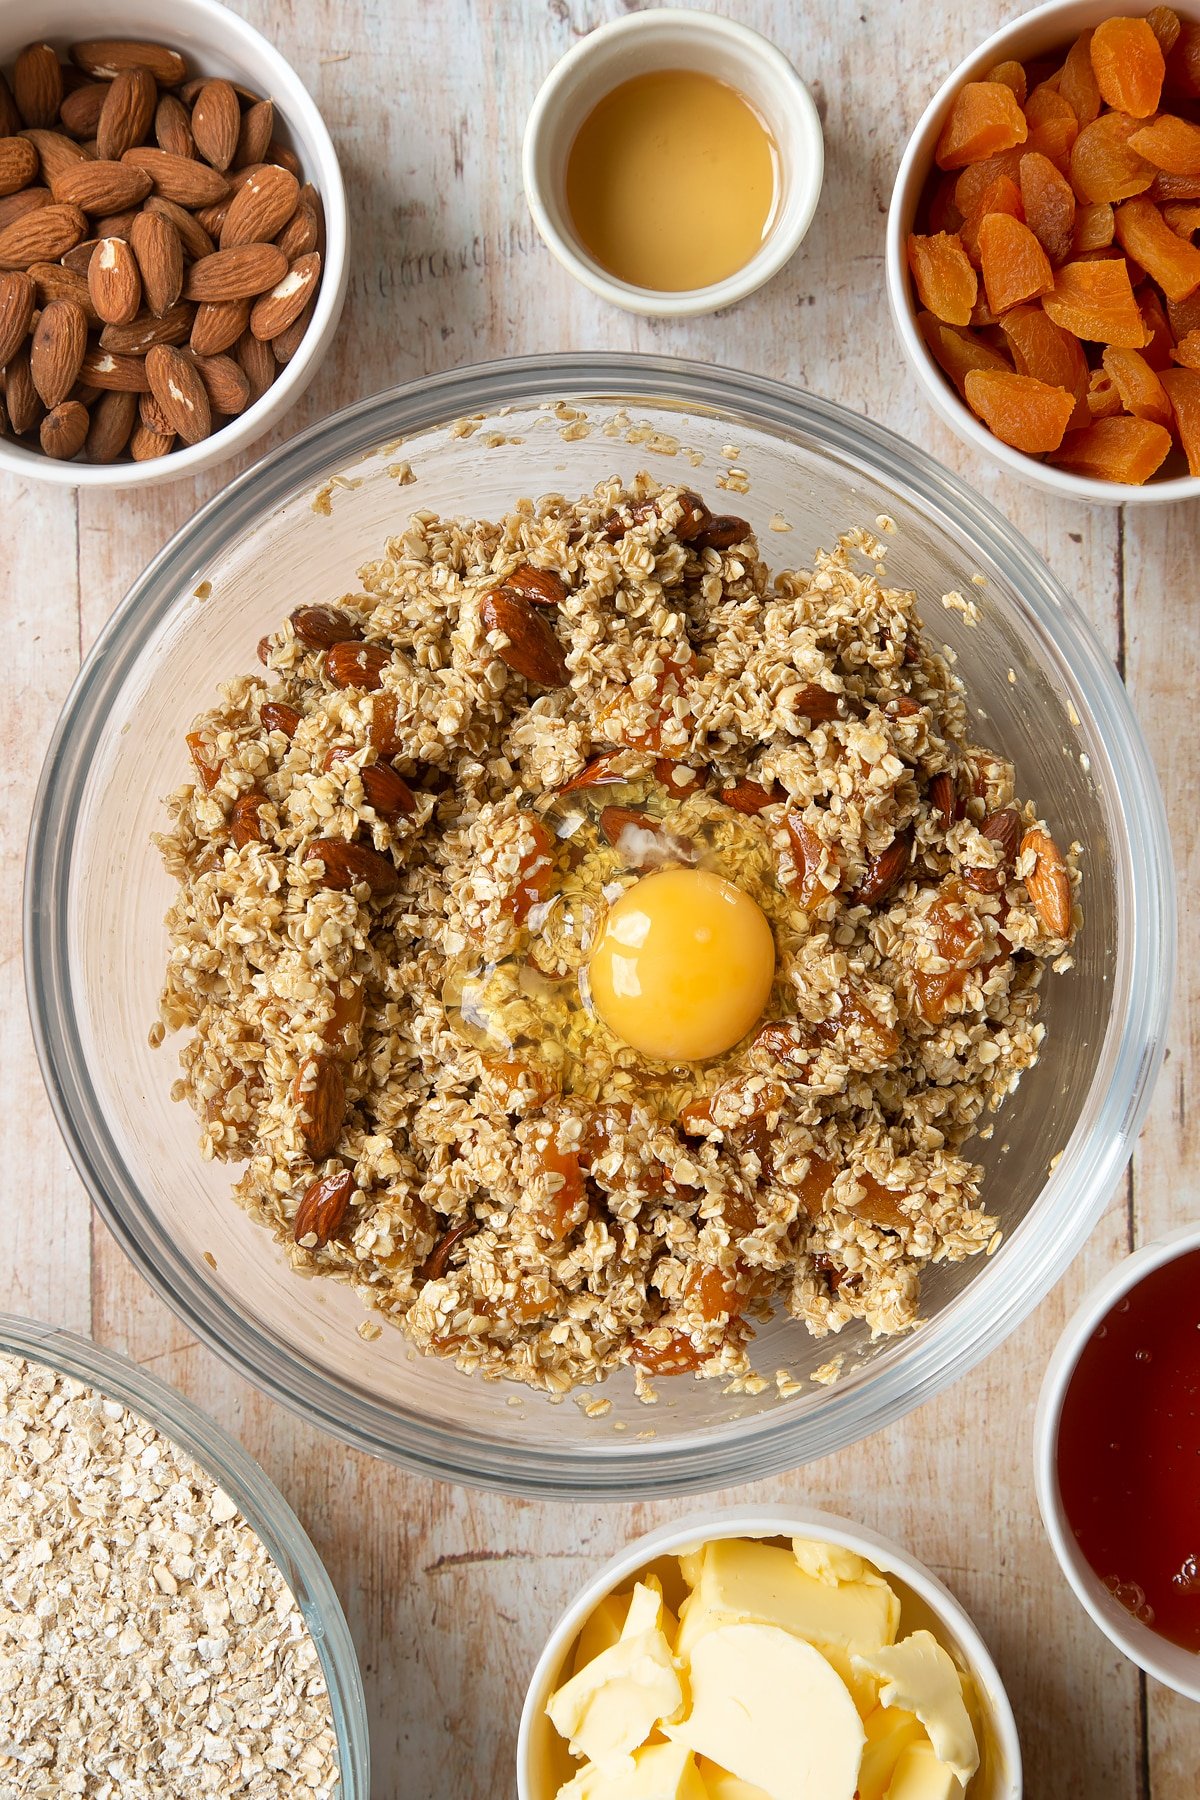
column 1156, row 1655
column 779, row 247
column 910, row 176
column 28, row 464
column 747, row 1520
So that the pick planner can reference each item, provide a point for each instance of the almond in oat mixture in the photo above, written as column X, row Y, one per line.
column 392, row 867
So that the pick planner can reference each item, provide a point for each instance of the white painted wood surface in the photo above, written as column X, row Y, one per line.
column 450, row 1593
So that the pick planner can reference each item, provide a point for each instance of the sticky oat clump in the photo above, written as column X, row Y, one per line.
column 400, row 842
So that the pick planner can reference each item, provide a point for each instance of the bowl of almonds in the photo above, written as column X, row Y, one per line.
column 172, row 241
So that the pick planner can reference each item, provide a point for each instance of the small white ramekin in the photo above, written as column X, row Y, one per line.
column 1169, row 1663
column 215, row 41
column 925, row 1604
column 1037, row 33
column 669, row 38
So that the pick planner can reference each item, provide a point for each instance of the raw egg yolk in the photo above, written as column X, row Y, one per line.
column 683, row 965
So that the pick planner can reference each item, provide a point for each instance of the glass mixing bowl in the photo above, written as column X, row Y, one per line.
column 296, row 528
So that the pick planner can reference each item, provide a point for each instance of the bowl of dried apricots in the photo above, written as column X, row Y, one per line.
column 1042, row 262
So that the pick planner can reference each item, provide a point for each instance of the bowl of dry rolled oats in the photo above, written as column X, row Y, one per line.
column 582, row 926
column 165, row 1623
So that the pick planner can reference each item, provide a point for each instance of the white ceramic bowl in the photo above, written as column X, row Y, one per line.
column 666, row 38
column 1036, row 33
column 542, row 1761
column 215, row 41
column 1169, row 1663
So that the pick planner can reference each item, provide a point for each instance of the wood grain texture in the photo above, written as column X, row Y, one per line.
column 450, row 1593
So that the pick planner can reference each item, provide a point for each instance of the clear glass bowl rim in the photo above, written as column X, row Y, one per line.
column 258, row 1500
column 1003, row 1292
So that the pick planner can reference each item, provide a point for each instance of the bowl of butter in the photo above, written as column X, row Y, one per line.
column 766, row 1654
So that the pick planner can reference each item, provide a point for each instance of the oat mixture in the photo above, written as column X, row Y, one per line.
column 392, row 865
column 149, row 1646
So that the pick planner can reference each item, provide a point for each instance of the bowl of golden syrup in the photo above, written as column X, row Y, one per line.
column 673, row 161
column 1118, row 1457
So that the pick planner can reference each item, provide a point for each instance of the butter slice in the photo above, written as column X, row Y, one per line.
column 770, row 1709
column 657, row 1772
column 832, row 1563
column 921, row 1776
column 921, row 1677
column 719, row 1784
column 601, row 1629
column 615, row 1701
column 747, row 1582
column 890, row 1731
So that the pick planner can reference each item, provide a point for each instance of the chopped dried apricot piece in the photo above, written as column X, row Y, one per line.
column 1142, row 393
column 956, row 351
column 1129, row 65
column 1044, row 350
column 1095, row 227
column 1120, row 449
column 1103, row 395
column 1183, row 386
column 1001, row 195
column 1169, row 259
column 1012, row 75
column 1165, row 25
column 1020, row 411
column 1077, row 81
column 1187, row 352
column 1166, row 187
column 208, row 762
column 1159, row 336
column 1052, row 124
column 1096, row 301
column 1049, row 202
column 971, row 185
column 984, row 117
column 1015, row 267
column 1184, row 316
column 946, row 282
column 1169, row 143
column 1183, row 216
column 1103, row 167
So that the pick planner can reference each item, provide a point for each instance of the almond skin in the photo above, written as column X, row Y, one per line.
column 145, row 445
column 245, row 825
column 352, row 665
column 347, row 865
column 814, row 703
column 236, row 274
column 749, row 797
column 173, row 128
column 722, row 532
column 261, row 208
column 884, row 872
column 41, row 236
column 63, row 430
column 37, row 85
column 106, row 57
column 19, row 166
column 10, row 118
column 20, row 396
column 277, row 715
column 101, row 187
column 127, row 113
column 218, row 325
column 386, row 791
column 114, row 282
column 225, row 383
column 191, row 184
column 541, row 587
column 17, row 297
column 176, row 385
column 216, row 123
column 320, row 627
column 15, row 206
column 299, row 235
column 1048, row 883
column 53, row 281
column 275, row 311
column 285, row 346
column 140, row 334
column 531, row 648
column 112, row 371
column 113, row 418
column 257, row 362
column 322, row 1209
column 82, row 108
column 192, row 235
column 254, row 134
column 57, row 350
column 155, row 243
column 56, row 152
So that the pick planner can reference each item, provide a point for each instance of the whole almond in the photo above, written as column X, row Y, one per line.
column 346, row 865
column 386, row 791
column 299, row 235
column 118, row 224
column 41, row 236
column 213, row 218
column 218, row 325
column 52, row 281
column 319, row 1095
column 152, row 416
column 191, row 184
column 217, row 123
column 105, row 58
column 750, row 797
column 101, row 187
column 192, row 235
column 145, row 445
column 15, row 206
column 113, row 418
column 257, row 362
column 722, row 532
column 155, row 244
column 884, row 872
column 237, row 274
column 173, row 128
column 127, row 113
column 530, row 648
column 17, row 295
column 322, row 1209
column 64, row 430
column 10, row 118
column 1048, row 883
column 279, row 308
column 20, row 395
column 138, row 336
column 287, row 159
column 56, row 350
column 285, row 346
column 320, row 627
column 109, row 370
column 261, row 207
column 37, row 85
column 19, row 165
column 114, row 282
column 80, row 111
column 225, row 383
column 352, row 665
column 245, row 823
column 943, row 797
column 254, row 135
column 176, row 385
column 56, row 153
column 541, row 587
